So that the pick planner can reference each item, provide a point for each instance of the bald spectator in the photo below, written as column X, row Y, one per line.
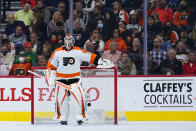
column 171, row 66
column 113, row 54
column 157, row 54
column 12, row 23
column 189, row 68
column 25, row 14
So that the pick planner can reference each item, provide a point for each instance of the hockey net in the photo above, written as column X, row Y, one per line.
column 99, row 84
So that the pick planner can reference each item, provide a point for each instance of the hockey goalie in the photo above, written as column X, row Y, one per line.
column 63, row 69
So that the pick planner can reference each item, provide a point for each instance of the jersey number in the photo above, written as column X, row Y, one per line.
column 68, row 60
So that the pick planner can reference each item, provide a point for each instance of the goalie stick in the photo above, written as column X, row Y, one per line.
column 36, row 74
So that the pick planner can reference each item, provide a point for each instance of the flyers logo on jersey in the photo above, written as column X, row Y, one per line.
column 68, row 60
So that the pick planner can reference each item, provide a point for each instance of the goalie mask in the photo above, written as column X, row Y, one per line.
column 69, row 42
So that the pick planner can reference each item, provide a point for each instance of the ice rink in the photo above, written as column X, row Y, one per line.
column 132, row 126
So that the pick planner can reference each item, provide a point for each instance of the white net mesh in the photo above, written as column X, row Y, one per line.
column 98, row 84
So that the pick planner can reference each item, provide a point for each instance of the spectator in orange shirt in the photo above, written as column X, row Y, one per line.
column 165, row 13
column 21, row 68
column 120, row 42
column 180, row 18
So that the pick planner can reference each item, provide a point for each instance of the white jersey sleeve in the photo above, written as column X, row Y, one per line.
column 87, row 56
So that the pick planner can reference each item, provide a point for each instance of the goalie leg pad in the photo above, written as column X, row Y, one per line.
column 62, row 104
column 77, row 102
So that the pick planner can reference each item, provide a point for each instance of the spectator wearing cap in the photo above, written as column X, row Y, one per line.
column 120, row 42
column 118, row 14
column 79, row 34
column 31, row 2
column 181, row 16
column 134, row 22
column 165, row 13
column 170, row 66
column 18, row 38
column 75, row 16
column 29, row 55
column 25, row 14
column 126, row 66
column 6, row 60
column 113, row 54
column 157, row 54
column 136, row 54
column 12, row 23
column 41, row 12
column 189, row 68
column 84, row 15
column 51, row 25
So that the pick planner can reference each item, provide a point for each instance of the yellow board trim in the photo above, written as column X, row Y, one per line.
column 130, row 115
column 160, row 115
column 15, row 116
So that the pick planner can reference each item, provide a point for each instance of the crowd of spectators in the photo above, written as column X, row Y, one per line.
column 112, row 29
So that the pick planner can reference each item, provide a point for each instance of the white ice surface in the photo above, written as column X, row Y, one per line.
column 132, row 126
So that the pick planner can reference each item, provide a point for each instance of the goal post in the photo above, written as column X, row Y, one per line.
column 100, row 83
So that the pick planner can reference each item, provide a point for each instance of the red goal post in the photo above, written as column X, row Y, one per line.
column 87, row 73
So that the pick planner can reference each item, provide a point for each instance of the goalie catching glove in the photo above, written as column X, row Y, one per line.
column 104, row 63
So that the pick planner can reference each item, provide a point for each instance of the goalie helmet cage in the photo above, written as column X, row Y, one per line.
column 94, row 73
